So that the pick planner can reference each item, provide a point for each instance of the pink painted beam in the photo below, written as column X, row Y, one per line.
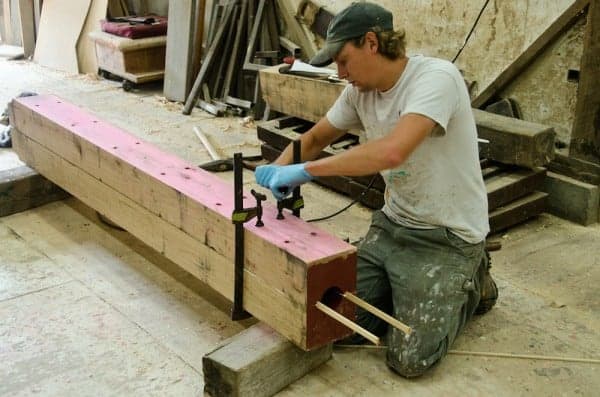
column 298, row 260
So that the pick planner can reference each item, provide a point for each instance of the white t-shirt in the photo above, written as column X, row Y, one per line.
column 440, row 184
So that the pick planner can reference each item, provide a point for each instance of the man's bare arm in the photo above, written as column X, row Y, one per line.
column 313, row 141
column 384, row 153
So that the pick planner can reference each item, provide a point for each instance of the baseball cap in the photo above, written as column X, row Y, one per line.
column 353, row 21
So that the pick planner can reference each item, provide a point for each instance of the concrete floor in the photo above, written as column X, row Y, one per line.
column 90, row 310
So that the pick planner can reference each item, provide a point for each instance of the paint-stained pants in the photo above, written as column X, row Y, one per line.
column 428, row 279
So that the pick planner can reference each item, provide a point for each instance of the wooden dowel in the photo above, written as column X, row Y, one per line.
column 207, row 145
column 376, row 312
column 525, row 356
column 493, row 354
column 353, row 326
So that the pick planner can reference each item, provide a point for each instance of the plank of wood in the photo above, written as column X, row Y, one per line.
column 514, row 141
column 563, row 23
column 180, row 49
column 581, row 170
column 37, row 12
column 184, row 212
column 5, row 32
column 298, row 96
column 14, row 23
column 26, row 17
column 86, row 52
column 508, row 186
column 257, row 362
column 22, row 188
column 60, row 27
column 517, row 211
column 585, row 137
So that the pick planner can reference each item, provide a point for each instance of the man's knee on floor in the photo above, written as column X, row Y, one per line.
column 414, row 361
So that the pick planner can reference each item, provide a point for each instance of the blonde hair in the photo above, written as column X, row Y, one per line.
column 392, row 43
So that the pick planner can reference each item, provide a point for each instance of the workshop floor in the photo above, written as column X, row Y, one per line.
column 89, row 310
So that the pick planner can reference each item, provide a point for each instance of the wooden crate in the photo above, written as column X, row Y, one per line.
column 137, row 61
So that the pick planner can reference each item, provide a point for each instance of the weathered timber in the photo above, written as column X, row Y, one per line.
column 22, row 188
column 512, row 141
column 573, row 200
column 517, row 211
column 572, row 167
column 257, row 362
column 185, row 213
column 508, row 186
column 180, row 50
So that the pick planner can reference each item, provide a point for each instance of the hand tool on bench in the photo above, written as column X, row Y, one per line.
column 219, row 164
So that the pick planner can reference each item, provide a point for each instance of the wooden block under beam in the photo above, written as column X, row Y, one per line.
column 185, row 213
column 22, row 188
column 257, row 362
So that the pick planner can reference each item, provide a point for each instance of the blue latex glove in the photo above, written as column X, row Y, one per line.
column 282, row 179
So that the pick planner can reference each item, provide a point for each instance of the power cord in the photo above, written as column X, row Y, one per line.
column 374, row 176
column 472, row 30
column 356, row 200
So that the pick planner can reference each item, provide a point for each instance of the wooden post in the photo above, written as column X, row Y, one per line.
column 585, row 137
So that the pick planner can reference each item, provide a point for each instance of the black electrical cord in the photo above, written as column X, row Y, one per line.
column 356, row 200
column 374, row 176
column 471, row 31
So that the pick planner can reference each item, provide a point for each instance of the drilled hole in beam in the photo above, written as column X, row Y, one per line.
column 332, row 297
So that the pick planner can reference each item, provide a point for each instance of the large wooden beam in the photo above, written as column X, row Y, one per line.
column 185, row 213
column 513, row 141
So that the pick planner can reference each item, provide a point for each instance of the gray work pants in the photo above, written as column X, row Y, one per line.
column 428, row 279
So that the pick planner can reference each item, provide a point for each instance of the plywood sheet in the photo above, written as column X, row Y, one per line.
column 60, row 27
column 86, row 53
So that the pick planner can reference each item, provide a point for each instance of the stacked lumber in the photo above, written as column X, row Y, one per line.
column 185, row 213
column 243, row 37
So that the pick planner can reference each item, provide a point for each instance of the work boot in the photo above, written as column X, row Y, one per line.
column 487, row 287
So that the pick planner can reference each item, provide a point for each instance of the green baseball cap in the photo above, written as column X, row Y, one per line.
column 353, row 21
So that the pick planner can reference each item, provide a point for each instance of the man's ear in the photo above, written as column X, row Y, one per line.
column 371, row 41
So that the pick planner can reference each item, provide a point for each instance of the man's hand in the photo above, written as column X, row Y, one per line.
column 282, row 179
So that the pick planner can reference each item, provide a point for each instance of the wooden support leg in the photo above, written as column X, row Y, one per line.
column 22, row 188
column 258, row 362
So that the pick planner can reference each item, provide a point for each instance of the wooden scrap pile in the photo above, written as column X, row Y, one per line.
column 244, row 36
